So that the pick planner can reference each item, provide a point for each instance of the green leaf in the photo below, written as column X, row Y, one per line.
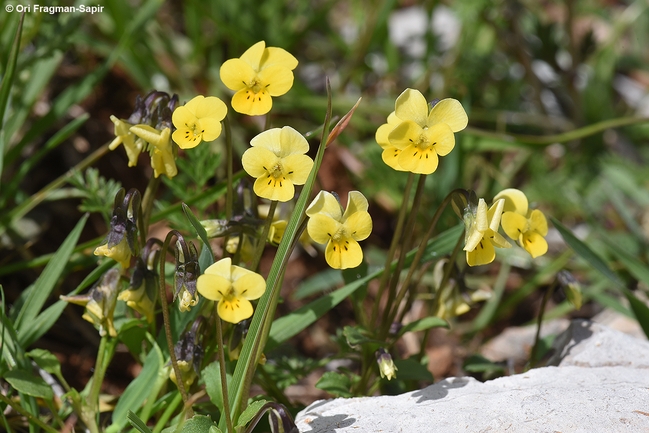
column 587, row 254
column 321, row 282
column 198, row 424
column 207, row 257
column 355, row 337
column 47, row 280
column 336, row 384
column 250, row 413
column 423, row 324
column 480, row 364
column 138, row 390
column 212, row 378
column 631, row 262
column 27, row 383
column 412, row 369
column 640, row 310
column 46, row 360
column 137, row 423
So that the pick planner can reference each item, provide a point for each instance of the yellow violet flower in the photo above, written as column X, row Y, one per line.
column 340, row 231
column 121, row 253
column 277, row 159
column 198, row 120
column 481, row 235
column 132, row 144
column 256, row 76
column 163, row 160
column 390, row 153
column 527, row 227
column 233, row 287
column 424, row 134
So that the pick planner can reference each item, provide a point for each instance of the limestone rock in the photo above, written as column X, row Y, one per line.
column 601, row 384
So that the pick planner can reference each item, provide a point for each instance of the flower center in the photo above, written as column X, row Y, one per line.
column 193, row 133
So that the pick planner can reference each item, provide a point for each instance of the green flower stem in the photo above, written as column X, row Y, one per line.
column 447, row 271
column 564, row 137
column 32, row 419
column 167, row 323
column 415, row 263
column 405, row 246
column 147, row 206
column 539, row 321
column 104, row 355
column 393, row 247
column 261, row 243
column 166, row 415
column 224, row 379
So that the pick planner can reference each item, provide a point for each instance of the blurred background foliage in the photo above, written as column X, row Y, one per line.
column 528, row 73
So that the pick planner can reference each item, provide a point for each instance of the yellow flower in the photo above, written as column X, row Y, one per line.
column 233, row 287
column 481, row 233
column 424, row 133
column 132, row 144
column 256, row 76
column 139, row 300
column 527, row 227
column 390, row 153
column 121, row 252
column 277, row 159
column 386, row 365
column 198, row 120
column 161, row 150
column 340, row 231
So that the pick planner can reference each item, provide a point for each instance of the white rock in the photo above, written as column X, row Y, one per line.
column 600, row 385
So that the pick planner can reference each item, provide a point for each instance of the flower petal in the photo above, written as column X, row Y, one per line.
column 359, row 225
column 213, row 287
column 247, row 284
column 223, row 268
column 326, row 204
column 495, row 213
column 535, row 244
column 390, row 156
column 292, row 142
column 411, row 105
column 515, row 200
column 356, row 202
column 210, row 127
column 211, row 107
column 538, row 223
column 297, row 168
column 253, row 55
column 321, row 227
column 272, row 188
column 234, row 310
column 236, row 74
column 258, row 161
column 269, row 139
column 450, row 112
column 441, row 138
column 417, row 160
column 245, row 101
column 278, row 56
column 405, row 134
column 343, row 255
column 276, row 79
column 514, row 224
column 483, row 254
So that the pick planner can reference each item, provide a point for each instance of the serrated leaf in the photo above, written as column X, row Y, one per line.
column 27, row 383
column 336, row 384
column 198, row 424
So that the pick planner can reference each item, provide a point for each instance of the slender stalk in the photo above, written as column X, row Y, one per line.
column 167, row 413
column 539, row 321
column 393, row 247
column 415, row 264
column 392, row 306
column 147, row 204
column 261, row 243
column 224, row 378
column 229, row 195
column 167, row 324
column 32, row 419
